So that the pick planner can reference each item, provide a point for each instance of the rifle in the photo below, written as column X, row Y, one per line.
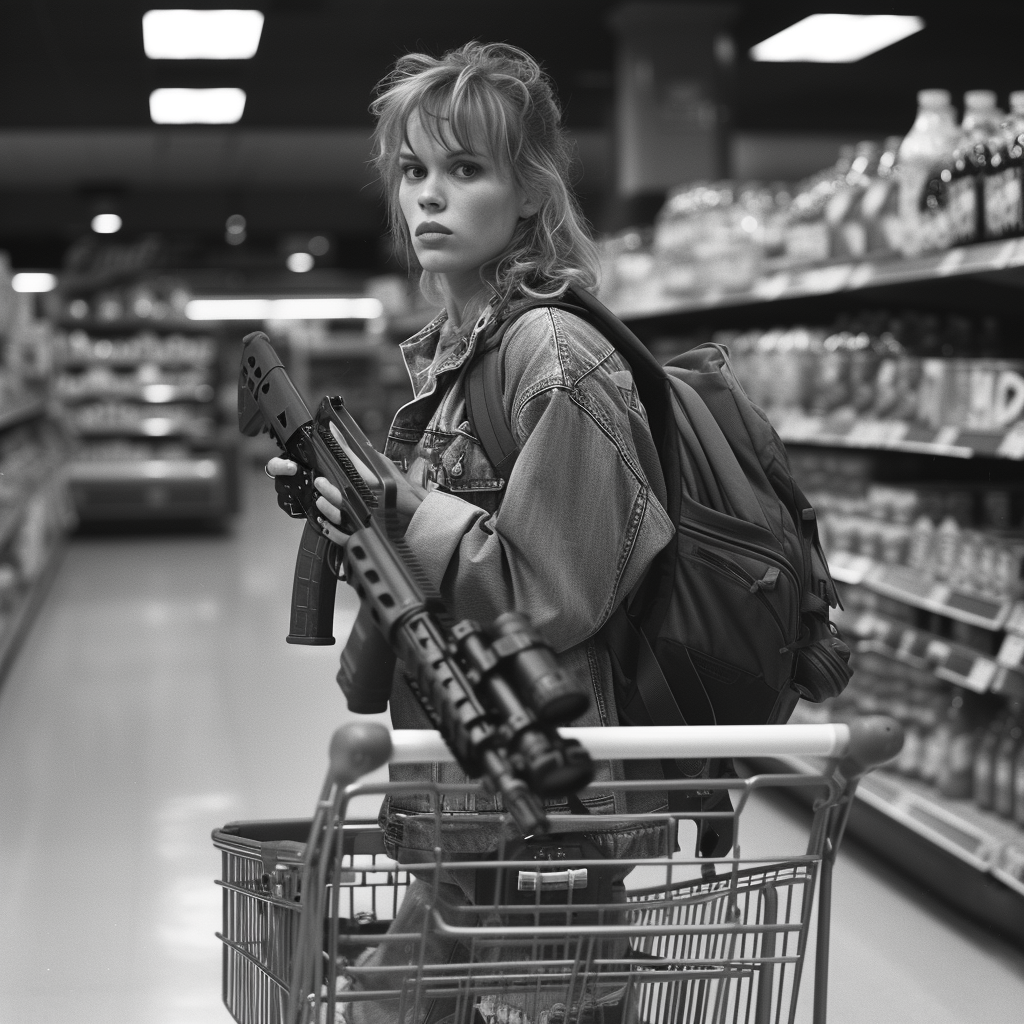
column 495, row 695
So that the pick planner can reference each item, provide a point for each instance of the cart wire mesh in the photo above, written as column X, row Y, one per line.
column 317, row 926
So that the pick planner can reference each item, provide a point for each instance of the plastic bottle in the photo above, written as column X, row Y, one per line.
column 964, row 730
column 936, row 733
column 1004, row 183
column 879, row 207
column 985, row 761
column 849, row 236
column 1018, row 788
column 964, row 174
column 1006, row 754
column 927, row 145
column 808, row 236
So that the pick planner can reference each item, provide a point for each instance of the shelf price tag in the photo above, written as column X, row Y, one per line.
column 946, row 437
column 1012, row 444
column 824, row 280
column 861, row 275
column 895, row 431
column 981, row 674
column 1011, row 652
column 950, row 263
column 770, row 287
column 1005, row 255
column 872, row 433
column 1015, row 621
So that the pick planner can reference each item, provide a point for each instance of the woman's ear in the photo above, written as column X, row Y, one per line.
column 528, row 206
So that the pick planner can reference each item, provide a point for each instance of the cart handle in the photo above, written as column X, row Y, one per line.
column 860, row 744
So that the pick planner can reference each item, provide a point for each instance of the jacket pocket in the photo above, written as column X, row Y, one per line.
column 466, row 468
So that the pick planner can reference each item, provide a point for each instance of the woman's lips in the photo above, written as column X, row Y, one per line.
column 432, row 228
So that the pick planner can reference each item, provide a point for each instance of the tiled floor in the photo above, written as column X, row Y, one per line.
column 155, row 699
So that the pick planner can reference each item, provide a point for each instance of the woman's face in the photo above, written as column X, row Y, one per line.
column 462, row 208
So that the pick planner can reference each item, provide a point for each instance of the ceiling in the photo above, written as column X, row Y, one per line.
column 75, row 85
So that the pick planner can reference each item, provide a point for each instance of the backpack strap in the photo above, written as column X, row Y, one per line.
column 485, row 376
column 485, row 393
column 485, row 406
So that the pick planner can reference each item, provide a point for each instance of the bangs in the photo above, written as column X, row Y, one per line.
column 464, row 115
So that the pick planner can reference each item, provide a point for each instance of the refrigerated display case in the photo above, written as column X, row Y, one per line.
column 139, row 387
column 910, row 449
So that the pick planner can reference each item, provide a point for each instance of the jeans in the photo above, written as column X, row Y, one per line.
column 551, row 1003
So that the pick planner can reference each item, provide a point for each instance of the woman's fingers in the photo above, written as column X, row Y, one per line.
column 333, row 533
column 328, row 510
column 328, row 503
column 329, row 491
column 281, row 467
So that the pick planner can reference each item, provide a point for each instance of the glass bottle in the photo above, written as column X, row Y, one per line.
column 1006, row 754
column 968, row 167
column 1004, row 182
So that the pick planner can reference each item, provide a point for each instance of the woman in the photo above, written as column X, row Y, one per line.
column 475, row 163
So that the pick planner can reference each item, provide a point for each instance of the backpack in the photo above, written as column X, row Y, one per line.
column 731, row 623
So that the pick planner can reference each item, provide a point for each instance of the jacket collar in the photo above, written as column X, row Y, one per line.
column 419, row 350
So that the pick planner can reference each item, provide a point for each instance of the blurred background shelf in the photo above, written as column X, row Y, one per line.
column 23, row 411
column 16, row 622
column 1003, row 259
column 973, row 858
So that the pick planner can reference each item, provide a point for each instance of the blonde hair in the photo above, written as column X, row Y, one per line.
column 497, row 95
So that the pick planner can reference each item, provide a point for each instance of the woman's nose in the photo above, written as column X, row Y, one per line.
column 431, row 196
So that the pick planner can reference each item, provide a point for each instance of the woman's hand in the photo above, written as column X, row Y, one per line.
column 329, row 500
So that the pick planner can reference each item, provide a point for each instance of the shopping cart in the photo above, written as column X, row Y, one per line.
column 322, row 925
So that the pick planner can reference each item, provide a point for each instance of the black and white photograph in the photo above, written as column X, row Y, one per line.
column 512, row 512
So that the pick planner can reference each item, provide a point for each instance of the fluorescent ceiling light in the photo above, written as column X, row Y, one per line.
column 106, row 223
column 196, row 106
column 837, row 38
column 300, row 262
column 33, row 281
column 201, row 35
column 284, row 309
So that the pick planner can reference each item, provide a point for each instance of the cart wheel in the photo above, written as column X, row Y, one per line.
column 357, row 749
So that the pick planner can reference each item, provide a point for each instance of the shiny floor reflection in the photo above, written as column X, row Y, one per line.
column 155, row 699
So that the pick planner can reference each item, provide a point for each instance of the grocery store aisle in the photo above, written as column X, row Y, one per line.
column 155, row 699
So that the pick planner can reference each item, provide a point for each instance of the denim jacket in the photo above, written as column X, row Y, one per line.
column 564, row 539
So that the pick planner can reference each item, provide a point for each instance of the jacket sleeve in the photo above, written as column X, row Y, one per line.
column 579, row 522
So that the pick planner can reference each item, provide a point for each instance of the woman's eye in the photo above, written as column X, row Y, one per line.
column 466, row 170
column 412, row 172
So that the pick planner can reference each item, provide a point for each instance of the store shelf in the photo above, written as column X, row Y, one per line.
column 130, row 324
column 154, row 426
column 975, row 859
column 985, row 257
column 149, row 394
column 175, row 470
column 23, row 412
column 144, row 490
column 73, row 362
column 889, row 435
column 12, row 515
column 16, row 625
column 902, row 583
column 952, row 662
